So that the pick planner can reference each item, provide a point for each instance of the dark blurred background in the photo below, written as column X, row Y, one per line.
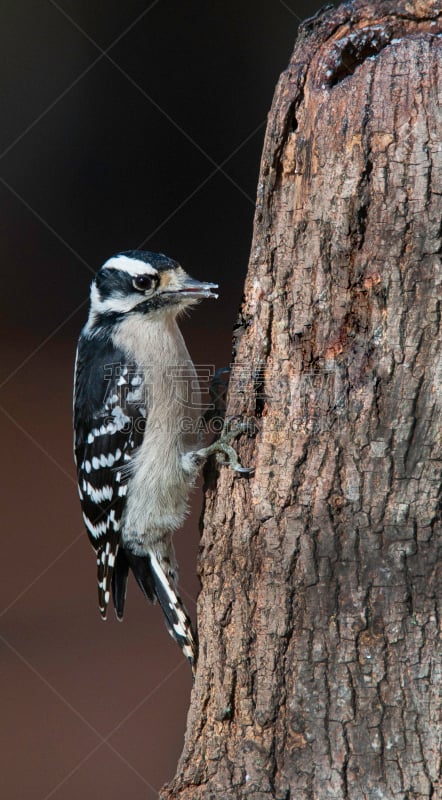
column 124, row 124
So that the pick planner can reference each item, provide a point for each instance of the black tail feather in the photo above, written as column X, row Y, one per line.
column 140, row 566
column 119, row 582
column 155, row 583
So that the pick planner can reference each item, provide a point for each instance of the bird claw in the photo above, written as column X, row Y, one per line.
column 222, row 446
column 236, row 467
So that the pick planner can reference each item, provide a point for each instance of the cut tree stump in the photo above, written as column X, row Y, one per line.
column 320, row 661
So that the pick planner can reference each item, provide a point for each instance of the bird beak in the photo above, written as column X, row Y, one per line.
column 193, row 288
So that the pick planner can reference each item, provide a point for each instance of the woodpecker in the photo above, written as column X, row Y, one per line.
column 136, row 433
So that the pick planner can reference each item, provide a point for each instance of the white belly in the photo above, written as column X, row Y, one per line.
column 160, row 481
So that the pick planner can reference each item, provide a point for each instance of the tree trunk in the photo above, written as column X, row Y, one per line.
column 320, row 662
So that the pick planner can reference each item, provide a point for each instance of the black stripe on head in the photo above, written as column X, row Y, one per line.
column 158, row 261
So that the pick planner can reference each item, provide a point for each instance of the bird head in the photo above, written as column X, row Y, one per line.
column 138, row 281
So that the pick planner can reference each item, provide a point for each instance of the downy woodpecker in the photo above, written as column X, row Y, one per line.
column 137, row 441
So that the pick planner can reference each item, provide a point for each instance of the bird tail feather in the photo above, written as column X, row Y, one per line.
column 176, row 617
column 155, row 583
column 119, row 582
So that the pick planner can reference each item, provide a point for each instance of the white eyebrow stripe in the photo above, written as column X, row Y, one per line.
column 133, row 266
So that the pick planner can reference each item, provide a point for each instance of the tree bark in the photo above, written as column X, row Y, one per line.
column 320, row 661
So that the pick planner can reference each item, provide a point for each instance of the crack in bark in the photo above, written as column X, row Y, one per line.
column 351, row 51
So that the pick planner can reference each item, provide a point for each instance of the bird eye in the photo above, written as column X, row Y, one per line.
column 142, row 283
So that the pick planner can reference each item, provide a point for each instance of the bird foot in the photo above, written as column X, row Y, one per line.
column 222, row 447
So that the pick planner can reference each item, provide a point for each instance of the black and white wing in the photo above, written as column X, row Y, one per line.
column 109, row 421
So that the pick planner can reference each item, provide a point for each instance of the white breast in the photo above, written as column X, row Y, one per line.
column 159, row 484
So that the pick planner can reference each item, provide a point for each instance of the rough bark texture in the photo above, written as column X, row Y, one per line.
column 320, row 659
